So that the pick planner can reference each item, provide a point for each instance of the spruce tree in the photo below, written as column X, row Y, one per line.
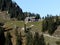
column 37, row 16
column 44, row 25
column 41, row 40
column 51, row 25
column 36, row 39
column 48, row 44
column 8, row 39
column 58, row 42
column 18, row 38
column 29, row 38
column 57, row 20
column 2, row 37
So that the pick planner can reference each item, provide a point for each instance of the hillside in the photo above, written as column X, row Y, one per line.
column 57, row 32
column 13, row 9
column 14, row 30
column 4, row 15
column 37, row 27
column 10, row 26
column 20, row 25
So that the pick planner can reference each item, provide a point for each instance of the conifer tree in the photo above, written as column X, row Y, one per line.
column 18, row 38
column 57, row 20
column 37, row 16
column 36, row 39
column 8, row 39
column 2, row 37
column 41, row 40
column 44, row 25
column 29, row 38
column 58, row 42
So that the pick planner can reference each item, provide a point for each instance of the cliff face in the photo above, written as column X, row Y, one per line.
column 4, row 15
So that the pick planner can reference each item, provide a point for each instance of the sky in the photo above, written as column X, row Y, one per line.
column 42, row 7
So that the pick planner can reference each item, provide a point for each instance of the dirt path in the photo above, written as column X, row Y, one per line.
column 51, row 36
column 44, row 34
column 48, row 35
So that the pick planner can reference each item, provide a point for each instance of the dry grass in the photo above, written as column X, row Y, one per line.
column 37, row 27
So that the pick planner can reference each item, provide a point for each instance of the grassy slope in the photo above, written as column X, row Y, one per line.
column 51, row 41
column 37, row 27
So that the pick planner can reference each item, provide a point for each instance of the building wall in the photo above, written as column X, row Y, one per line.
column 29, row 19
